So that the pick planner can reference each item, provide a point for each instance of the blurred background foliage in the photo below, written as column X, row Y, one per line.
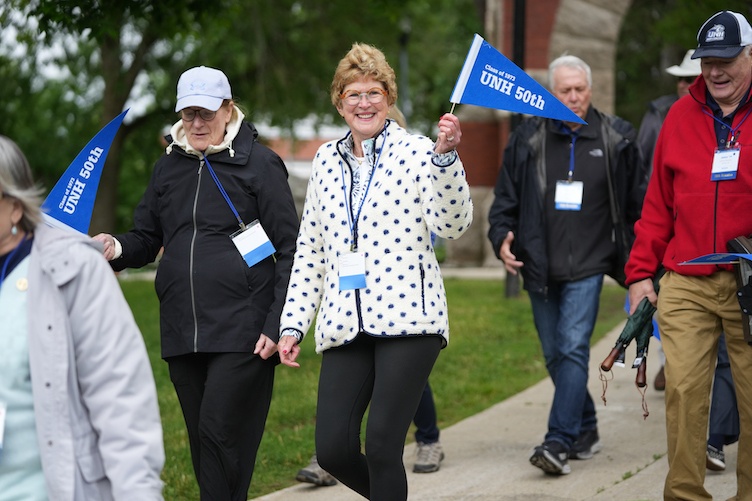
column 67, row 67
column 71, row 66
column 656, row 34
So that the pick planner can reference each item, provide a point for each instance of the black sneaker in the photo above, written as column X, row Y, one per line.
column 587, row 444
column 551, row 457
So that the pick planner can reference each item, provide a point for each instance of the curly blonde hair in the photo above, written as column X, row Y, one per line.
column 363, row 61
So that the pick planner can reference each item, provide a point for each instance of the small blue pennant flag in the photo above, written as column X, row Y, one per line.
column 70, row 204
column 719, row 258
column 491, row 80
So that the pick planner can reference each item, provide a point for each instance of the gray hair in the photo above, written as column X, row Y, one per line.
column 17, row 182
column 569, row 61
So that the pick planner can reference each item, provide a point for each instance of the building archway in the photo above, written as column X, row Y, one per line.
column 588, row 29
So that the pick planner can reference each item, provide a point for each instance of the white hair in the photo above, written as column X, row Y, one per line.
column 569, row 61
column 17, row 182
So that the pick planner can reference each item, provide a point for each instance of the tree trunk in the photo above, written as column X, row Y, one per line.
column 103, row 218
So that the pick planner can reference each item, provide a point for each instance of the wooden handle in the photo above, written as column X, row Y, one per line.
column 640, row 378
column 611, row 358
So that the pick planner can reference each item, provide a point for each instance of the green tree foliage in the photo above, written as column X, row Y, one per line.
column 103, row 47
column 279, row 56
column 655, row 35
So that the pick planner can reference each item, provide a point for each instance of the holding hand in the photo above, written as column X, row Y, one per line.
column 639, row 290
column 449, row 134
column 288, row 351
column 265, row 347
column 109, row 245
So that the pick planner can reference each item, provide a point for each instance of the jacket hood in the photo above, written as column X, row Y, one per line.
column 45, row 234
column 178, row 138
column 58, row 251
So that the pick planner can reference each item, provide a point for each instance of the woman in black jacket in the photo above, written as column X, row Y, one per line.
column 219, row 205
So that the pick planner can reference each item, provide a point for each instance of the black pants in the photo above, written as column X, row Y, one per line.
column 426, row 428
column 390, row 375
column 225, row 399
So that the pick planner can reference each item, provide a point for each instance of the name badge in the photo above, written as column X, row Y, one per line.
column 252, row 243
column 352, row 270
column 568, row 195
column 725, row 164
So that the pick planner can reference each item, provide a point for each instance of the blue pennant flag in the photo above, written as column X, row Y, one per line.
column 491, row 80
column 719, row 258
column 70, row 204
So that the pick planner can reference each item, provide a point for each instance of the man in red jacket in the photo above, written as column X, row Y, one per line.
column 699, row 197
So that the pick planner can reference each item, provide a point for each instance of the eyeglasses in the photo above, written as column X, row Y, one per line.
column 189, row 115
column 373, row 96
column 688, row 80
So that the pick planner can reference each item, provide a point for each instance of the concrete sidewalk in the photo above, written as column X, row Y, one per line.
column 487, row 454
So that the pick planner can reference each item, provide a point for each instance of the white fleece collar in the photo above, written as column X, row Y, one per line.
column 179, row 138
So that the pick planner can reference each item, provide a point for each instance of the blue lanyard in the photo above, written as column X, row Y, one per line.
column 571, row 157
column 574, row 135
column 8, row 259
column 353, row 220
column 224, row 193
column 733, row 137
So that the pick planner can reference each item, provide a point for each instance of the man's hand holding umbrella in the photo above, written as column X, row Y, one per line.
column 643, row 296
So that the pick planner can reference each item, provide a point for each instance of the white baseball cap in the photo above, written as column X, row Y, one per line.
column 688, row 68
column 203, row 87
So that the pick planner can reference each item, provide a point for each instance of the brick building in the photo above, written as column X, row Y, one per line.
column 586, row 28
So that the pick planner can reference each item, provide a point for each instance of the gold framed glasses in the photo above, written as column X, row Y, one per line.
column 189, row 114
column 373, row 96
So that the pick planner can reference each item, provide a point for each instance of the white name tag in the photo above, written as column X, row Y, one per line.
column 352, row 271
column 725, row 164
column 252, row 243
column 568, row 195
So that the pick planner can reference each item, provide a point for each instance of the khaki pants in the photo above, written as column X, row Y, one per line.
column 692, row 313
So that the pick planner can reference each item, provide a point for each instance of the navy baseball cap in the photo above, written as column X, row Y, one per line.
column 723, row 35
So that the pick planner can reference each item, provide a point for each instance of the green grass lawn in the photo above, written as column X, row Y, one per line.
column 493, row 353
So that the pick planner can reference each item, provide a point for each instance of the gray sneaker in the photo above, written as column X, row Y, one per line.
column 715, row 459
column 315, row 474
column 429, row 457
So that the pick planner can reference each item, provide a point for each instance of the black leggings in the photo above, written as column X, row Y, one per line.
column 390, row 374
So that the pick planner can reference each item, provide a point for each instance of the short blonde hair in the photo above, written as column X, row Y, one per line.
column 363, row 61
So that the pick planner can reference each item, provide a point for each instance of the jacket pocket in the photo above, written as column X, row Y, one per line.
column 423, row 288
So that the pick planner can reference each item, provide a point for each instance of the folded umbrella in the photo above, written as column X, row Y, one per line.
column 639, row 327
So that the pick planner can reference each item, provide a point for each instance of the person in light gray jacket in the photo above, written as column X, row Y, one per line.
column 365, row 268
column 78, row 401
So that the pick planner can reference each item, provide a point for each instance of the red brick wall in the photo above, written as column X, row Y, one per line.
column 539, row 23
column 483, row 143
column 481, row 149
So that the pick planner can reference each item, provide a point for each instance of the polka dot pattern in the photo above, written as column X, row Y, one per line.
column 413, row 192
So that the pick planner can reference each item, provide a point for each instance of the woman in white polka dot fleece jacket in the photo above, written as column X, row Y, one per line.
column 365, row 263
